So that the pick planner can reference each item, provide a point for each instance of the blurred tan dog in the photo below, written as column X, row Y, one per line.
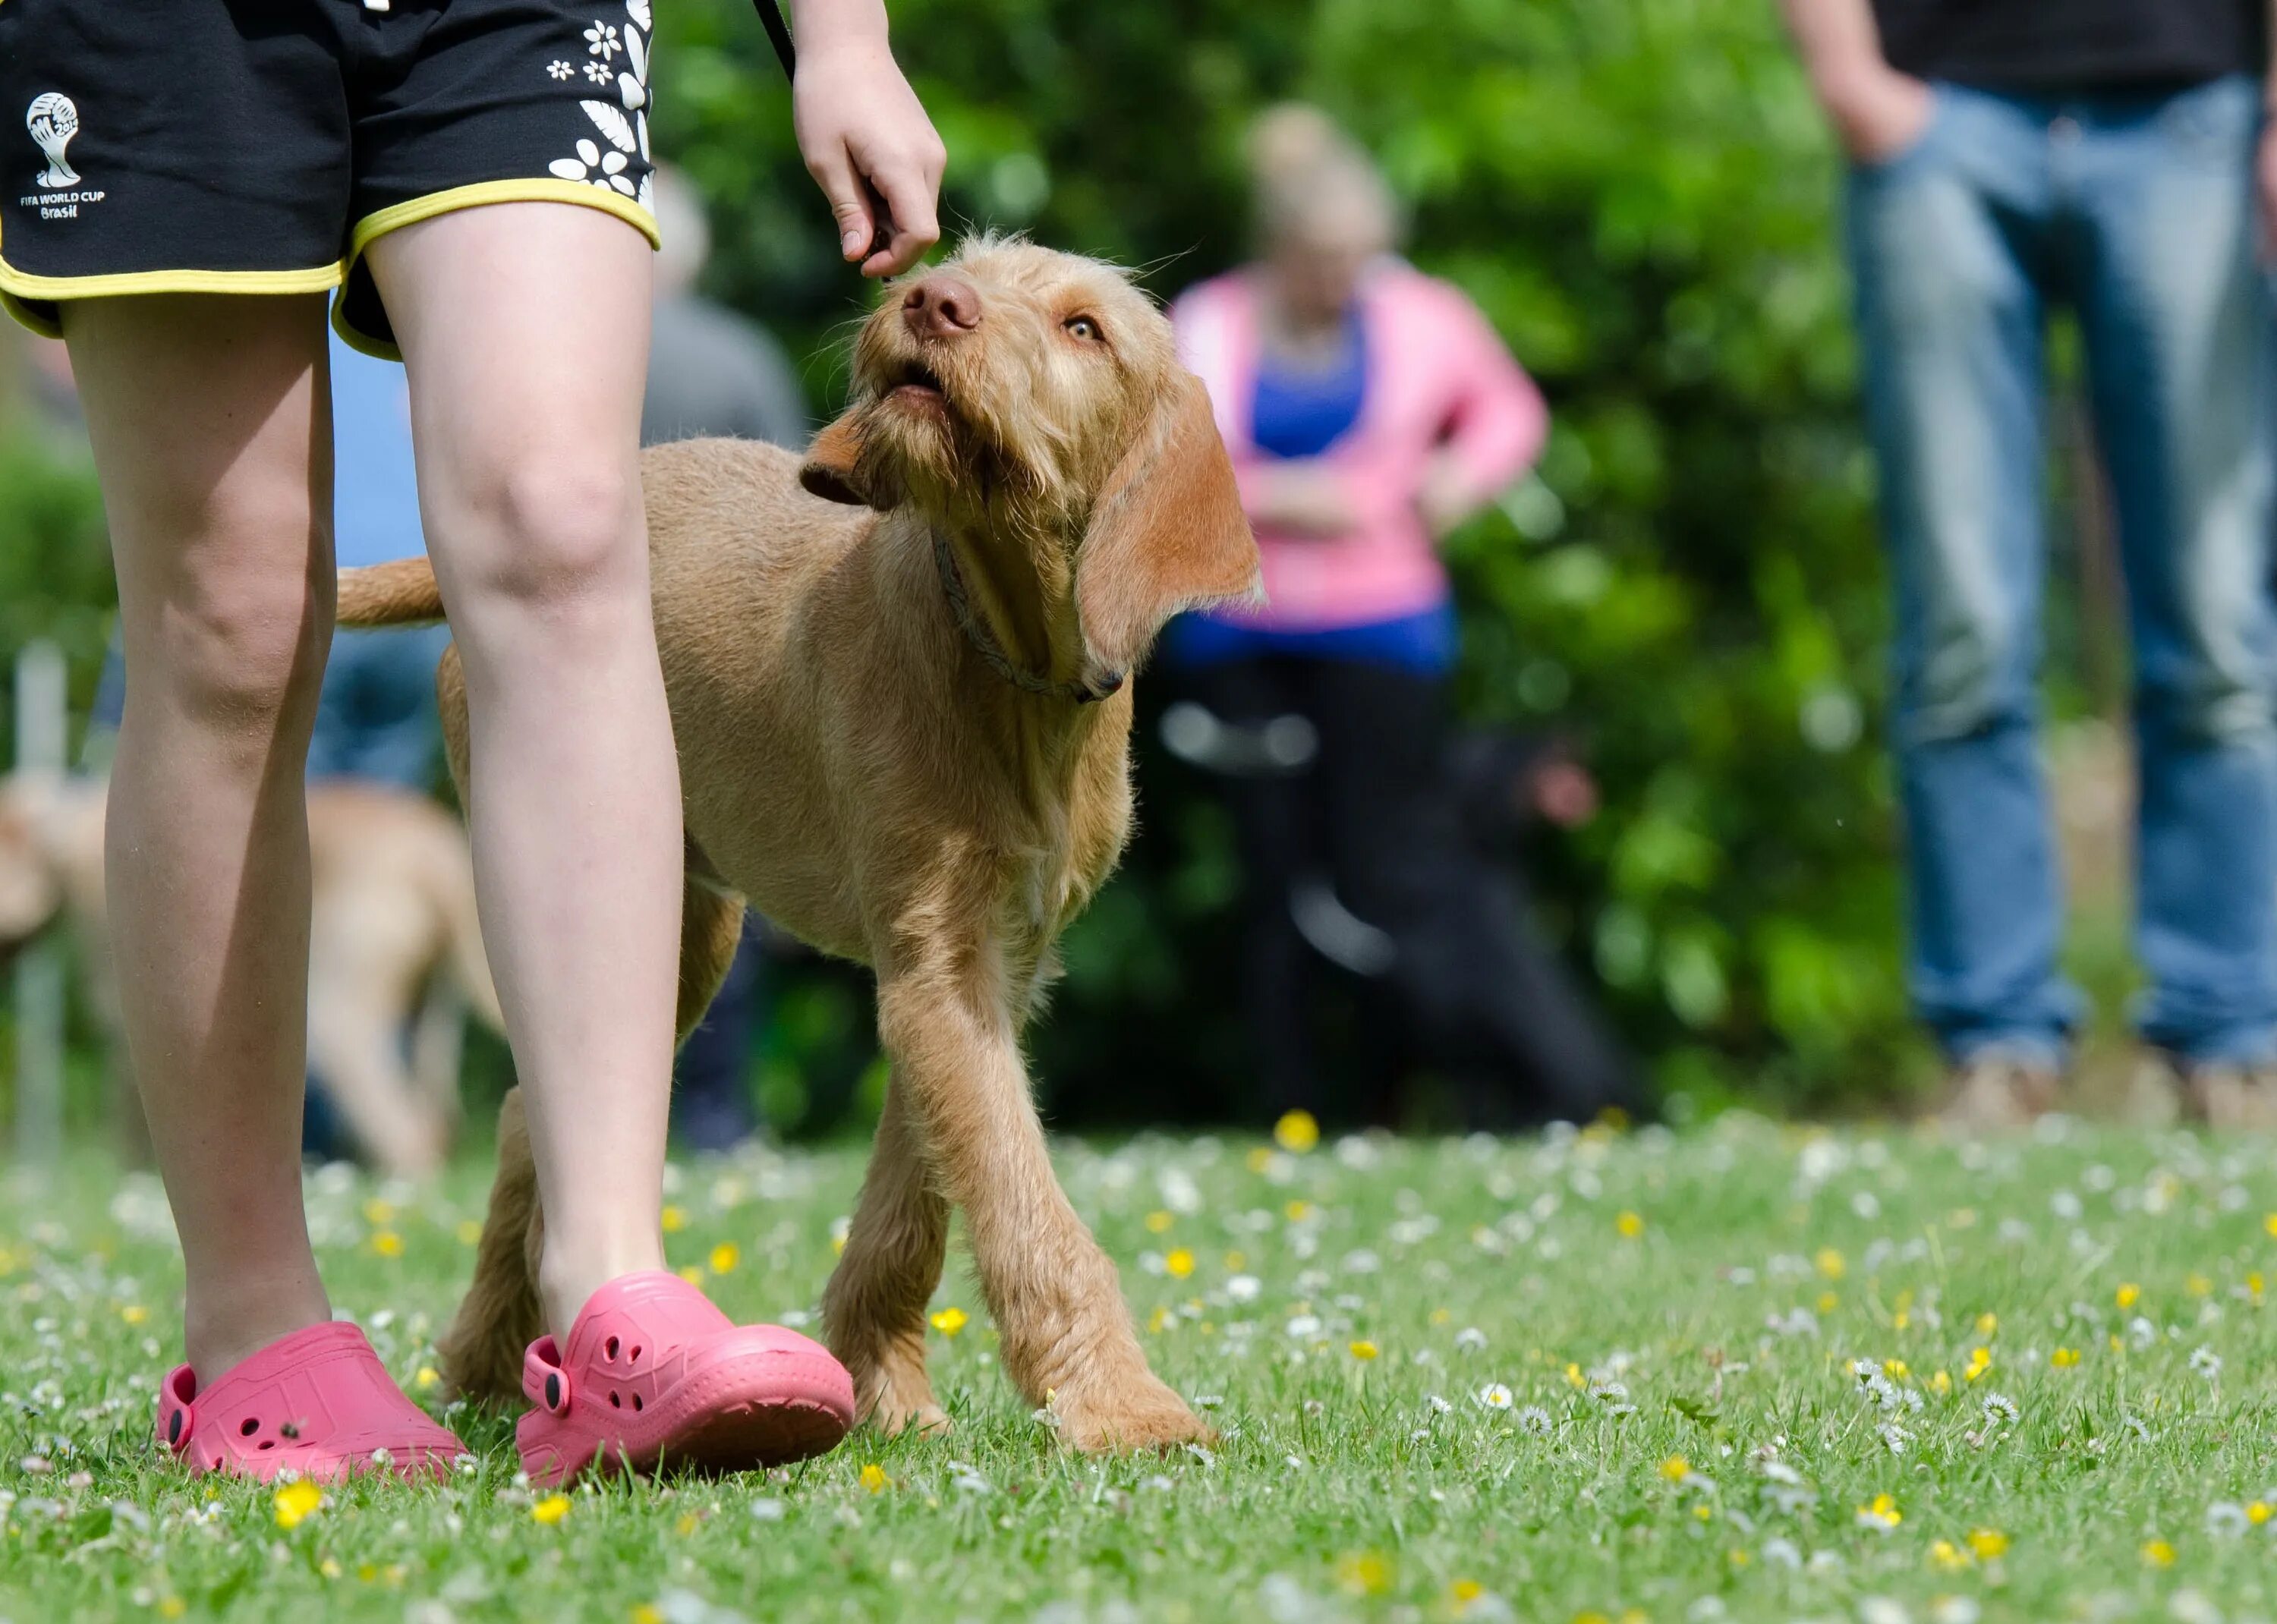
column 904, row 737
column 393, row 944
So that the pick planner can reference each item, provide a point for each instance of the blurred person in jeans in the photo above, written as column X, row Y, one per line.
column 713, row 372
column 1369, row 409
column 2007, row 156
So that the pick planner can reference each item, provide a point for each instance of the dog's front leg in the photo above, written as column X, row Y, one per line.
column 875, row 1307
column 1068, row 1341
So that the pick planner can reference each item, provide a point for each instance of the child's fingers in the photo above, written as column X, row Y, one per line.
column 908, row 189
column 832, row 168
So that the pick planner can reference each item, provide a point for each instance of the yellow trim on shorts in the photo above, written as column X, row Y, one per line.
column 372, row 227
column 17, row 287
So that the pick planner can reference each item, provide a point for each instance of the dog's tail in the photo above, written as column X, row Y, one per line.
column 403, row 593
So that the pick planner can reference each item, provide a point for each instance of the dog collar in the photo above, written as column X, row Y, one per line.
column 992, row 652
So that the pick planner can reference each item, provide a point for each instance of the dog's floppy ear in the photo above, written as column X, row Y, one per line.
column 1167, row 532
column 833, row 471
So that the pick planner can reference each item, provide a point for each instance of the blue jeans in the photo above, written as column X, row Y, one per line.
column 2137, row 212
column 376, row 715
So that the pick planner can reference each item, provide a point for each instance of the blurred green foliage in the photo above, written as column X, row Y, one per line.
column 1642, row 197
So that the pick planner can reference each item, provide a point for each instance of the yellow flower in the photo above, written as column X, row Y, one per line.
column 1462, row 1593
column 2270, row 1223
column 133, row 1313
column 1882, row 1509
column 1738, row 1558
column 1980, row 1360
column 378, row 1213
column 1259, row 1158
column 1828, row 1303
column 1236, row 1262
column 1676, row 1469
column 1940, row 1384
column 949, row 1321
column 1702, row 1511
column 1948, row 1557
column 674, row 1219
column 172, row 1607
column 1830, row 1262
column 1159, row 1222
column 2159, row 1553
column 1362, row 1572
column 296, row 1502
column 550, row 1510
column 1591, row 1618
column 724, row 1257
column 688, row 1524
column 1987, row 1543
column 329, row 1567
column 1629, row 1225
column 693, row 1275
column 648, row 1613
column 1987, row 1324
column 1157, row 1320
column 874, row 1478
column 2127, row 1295
column 1179, row 1264
column 2198, row 1285
column 2257, row 1512
column 1297, row 1132
column 1574, row 1376
column 1297, row 1211
column 427, row 1377
column 470, row 1231
column 387, row 1243
column 1363, row 1351
column 1896, row 1368
column 2064, row 1358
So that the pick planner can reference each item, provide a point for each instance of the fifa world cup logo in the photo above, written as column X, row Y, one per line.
column 53, row 120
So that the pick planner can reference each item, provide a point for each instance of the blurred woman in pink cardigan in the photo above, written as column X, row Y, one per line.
column 1369, row 409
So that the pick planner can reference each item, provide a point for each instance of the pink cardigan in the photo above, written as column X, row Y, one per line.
column 1438, row 376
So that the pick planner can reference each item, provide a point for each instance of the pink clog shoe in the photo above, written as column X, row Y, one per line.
column 318, row 1401
column 655, row 1375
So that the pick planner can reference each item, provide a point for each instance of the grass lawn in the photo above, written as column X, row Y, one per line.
column 1743, row 1373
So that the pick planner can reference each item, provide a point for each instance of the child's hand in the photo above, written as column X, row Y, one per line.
column 861, row 129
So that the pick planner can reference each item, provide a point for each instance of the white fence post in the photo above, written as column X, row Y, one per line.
column 42, row 725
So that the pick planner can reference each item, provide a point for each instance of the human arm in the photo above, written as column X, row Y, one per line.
column 1496, row 422
column 858, row 122
column 2265, row 158
column 1876, row 111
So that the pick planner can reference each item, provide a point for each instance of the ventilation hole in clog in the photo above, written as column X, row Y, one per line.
column 609, row 1350
column 636, row 1403
column 616, row 1402
column 268, row 1443
column 634, row 1357
column 247, row 1427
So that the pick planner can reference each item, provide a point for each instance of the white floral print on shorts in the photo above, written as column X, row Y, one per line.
column 623, row 165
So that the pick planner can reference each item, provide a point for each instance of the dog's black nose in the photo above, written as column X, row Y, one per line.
column 942, row 306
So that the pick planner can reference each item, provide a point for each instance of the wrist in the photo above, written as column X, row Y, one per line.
column 1843, row 87
column 825, row 28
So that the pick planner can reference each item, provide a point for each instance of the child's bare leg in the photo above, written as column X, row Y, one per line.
column 524, row 327
column 212, row 428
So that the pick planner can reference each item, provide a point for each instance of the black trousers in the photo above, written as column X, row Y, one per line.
column 1478, row 995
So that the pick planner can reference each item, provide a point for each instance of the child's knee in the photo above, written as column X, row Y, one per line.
column 557, row 536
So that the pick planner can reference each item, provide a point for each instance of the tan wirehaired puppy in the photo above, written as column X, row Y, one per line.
column 903, row 716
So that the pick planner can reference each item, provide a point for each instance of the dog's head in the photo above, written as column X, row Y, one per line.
column 1036, row 397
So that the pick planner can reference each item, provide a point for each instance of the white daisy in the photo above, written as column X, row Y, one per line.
column 1534, row 1419
column 1494, row 1395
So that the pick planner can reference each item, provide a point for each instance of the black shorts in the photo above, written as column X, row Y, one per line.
column 261, row 146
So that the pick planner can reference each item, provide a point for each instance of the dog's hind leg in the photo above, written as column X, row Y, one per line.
column 500, row 1315
column 1068, row 1343
column 874, row 1310
column 711, row 928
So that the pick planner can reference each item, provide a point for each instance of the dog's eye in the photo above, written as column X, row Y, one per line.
column 1082, row 327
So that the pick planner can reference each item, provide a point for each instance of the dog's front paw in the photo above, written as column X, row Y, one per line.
column 891, row 1392
column 1126, row 1414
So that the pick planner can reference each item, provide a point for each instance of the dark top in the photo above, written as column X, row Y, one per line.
column 2054, row 46
column 1301, row 414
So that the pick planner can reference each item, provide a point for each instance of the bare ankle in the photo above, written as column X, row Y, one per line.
column 221, row 1327
column 569, row 1276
